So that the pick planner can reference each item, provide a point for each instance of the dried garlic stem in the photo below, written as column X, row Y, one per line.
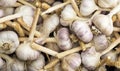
column 45, row 6
column 82, row 45
column 26, row 3
column 33, row 28
column 23, row 24
column 2, row 26
column 116, row 29
column 43, row 49
column 116, row 34
column 55, row 7
column 115, row 43
column 75, row 8
column 16, row 26
column 6, row 57
column 17, row 4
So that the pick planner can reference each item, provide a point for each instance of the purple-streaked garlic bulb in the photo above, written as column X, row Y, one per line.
column 87, row 7
column 82, row 30
column 68, row 13
column 100, row 42
column 57, row 67
column 25, row 52
column 9, row 11
column 71, row 62
column 7, row 3
column 37, row 64
column 2, row 13
column 63, row 39
column 53, row 46
column 2, row 63
column 50, row 24
column 90, row 58
column 8, row 42
column 107, row 3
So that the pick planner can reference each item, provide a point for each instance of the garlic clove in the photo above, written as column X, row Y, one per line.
column 103, row 23
column 68, row 13
column 100, row 42
column 37, row 64
column 25, row 52
column 63, row 39
column 87, row 7
column 82, row 30
column 107, row 3
column 7, row 3
column 90, row 58
column 71, row 62
column 8, row 42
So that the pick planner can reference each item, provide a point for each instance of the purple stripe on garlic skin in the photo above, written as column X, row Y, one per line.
column 90, row 58
column 71, row 62
column 8, row 42
column 63, row 39
column 7, row 3
column 82, row 30
column 25, row 52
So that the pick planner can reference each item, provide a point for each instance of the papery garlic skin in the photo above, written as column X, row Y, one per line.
column 25, row 52
column 28, row 20
column 71, row 62
column 87, row 7
column 37, row 64
column 100, row 42
column 68, row 13
column 1, row 63
column 50, row 24
column 8, row 42
column 63, row 39
column 103, row 23
column 82, row 30
column 107, row 3
column 90, row 58
column 7, row 3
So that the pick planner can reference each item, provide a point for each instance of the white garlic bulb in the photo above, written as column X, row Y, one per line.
column 2, row 63
column 90, row 58
column 7, row 3
column 71, row 62
column 68, row 13
column 37, row 64
column 82, row 30
column 103, row 23
column 107, row 3
column 87, row 7
column 63, row 39
column 8, row 42
column 25, row 52
column 50, row 24
column 100, row 42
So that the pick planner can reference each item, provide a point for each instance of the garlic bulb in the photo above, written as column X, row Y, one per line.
column 71, row 62
column 100, row 42
column 2, row 63
column 68, row 13
column 63, row 39
column 8, row 42
column 1, row 13
column 82, row 30
column 105, row 27
column 107, row 3
column 90, row 58
column 87, row 7
column 50, row 24
column 7, row 3
column 37, row 64
column 25, row 52
column 9, row 11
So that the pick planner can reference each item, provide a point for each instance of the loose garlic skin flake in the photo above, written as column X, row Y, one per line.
column 37, row 64
column 90, row 58
column 68, row 13
column 8, row 42
column 25, row 52
column 63, row 39
column 71, row 62
column 103, row 23
column 82, row 30
column 107, row 3
column 87, row 7
column 7, row 3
